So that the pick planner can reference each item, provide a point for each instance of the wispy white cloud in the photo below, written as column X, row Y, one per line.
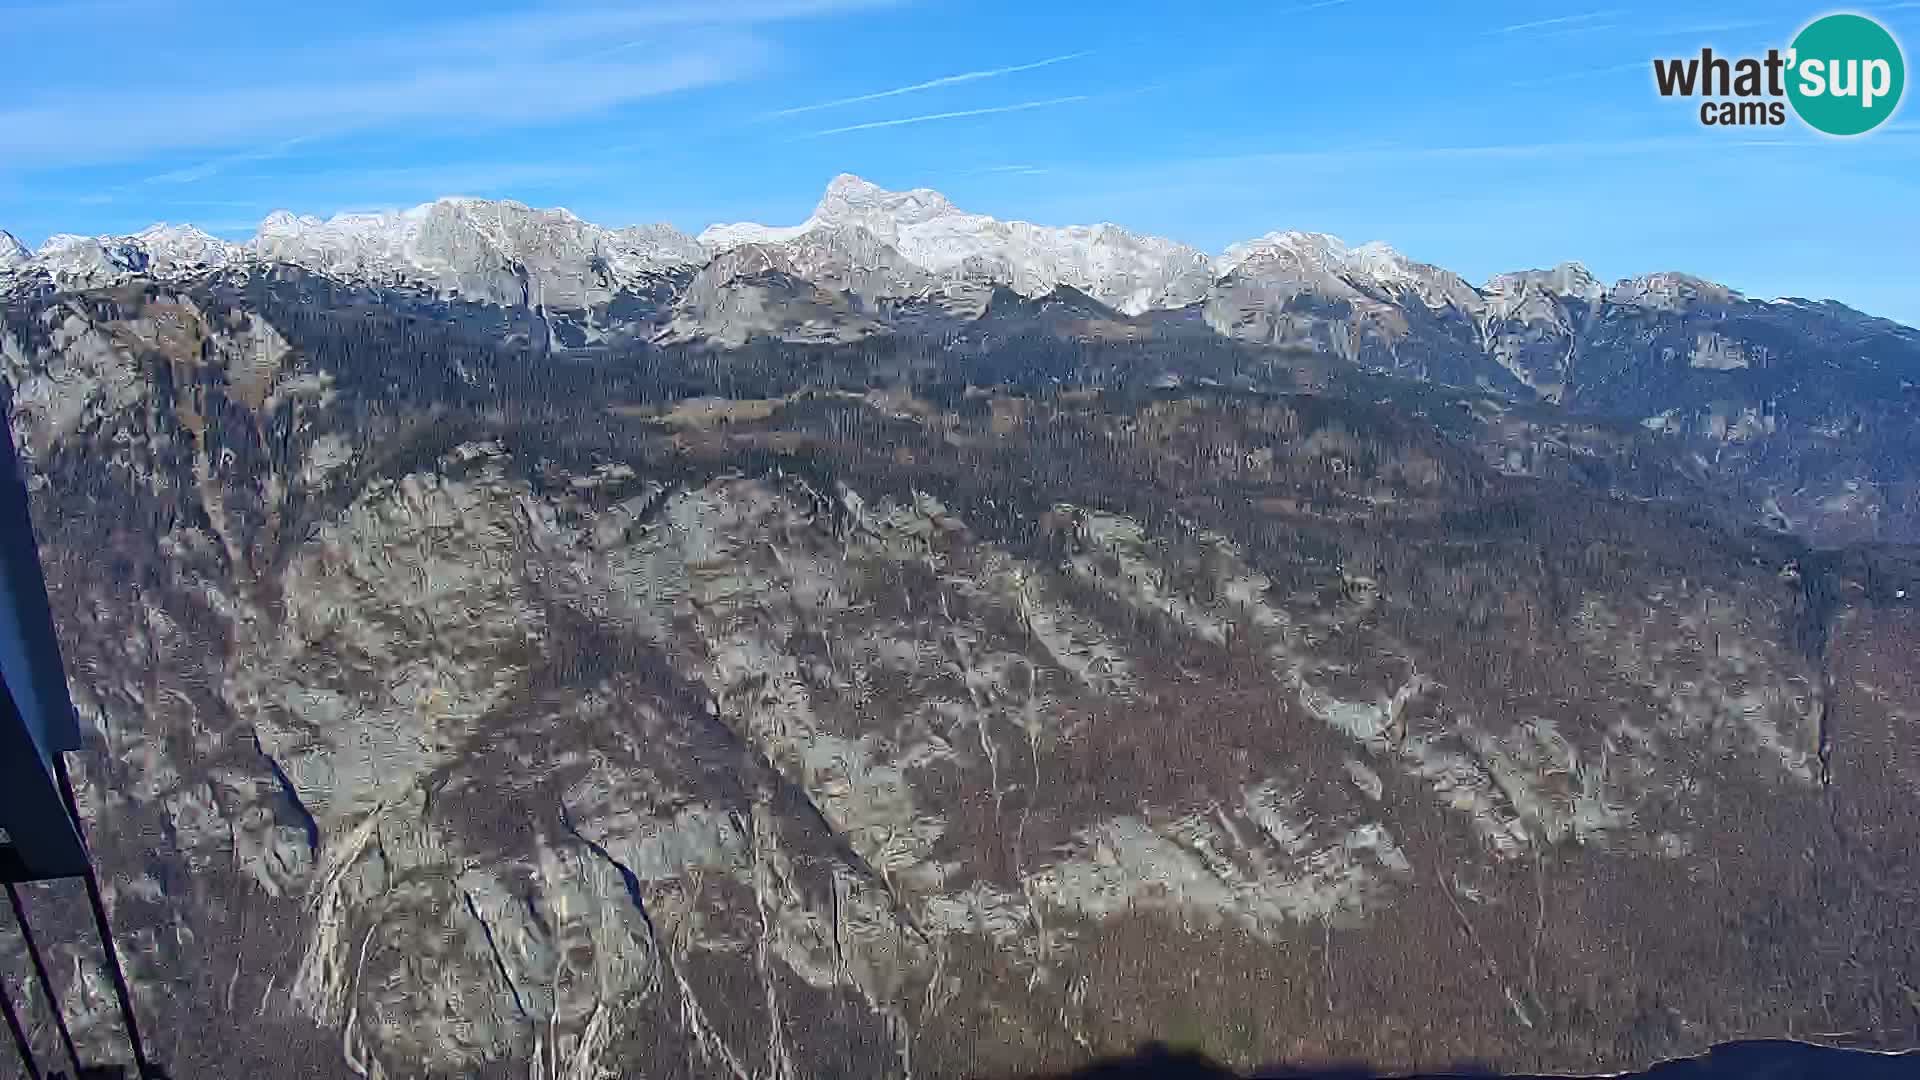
column 385, row 185
column 191, row 174
column 1364, row 156
column 214, row 166
column 591, row 33
column 1012, row 170
column 225, row 204
column 954, row 115
column 1580, row 75
column 520, row 68
column 930, row 84
column 1724, row 26
column 1576, row 30
column 82, row 11
column 97, row 127
column 1560, row 20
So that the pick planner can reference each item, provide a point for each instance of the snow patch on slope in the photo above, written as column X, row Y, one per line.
column 1124, row 270
column 1326, row 265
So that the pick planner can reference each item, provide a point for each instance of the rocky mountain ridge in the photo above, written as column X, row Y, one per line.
column 461, row 246
column 1811, row 409
column 975, row 694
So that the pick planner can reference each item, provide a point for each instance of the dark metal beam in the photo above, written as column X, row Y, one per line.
column 37, row 721
column 40, row 973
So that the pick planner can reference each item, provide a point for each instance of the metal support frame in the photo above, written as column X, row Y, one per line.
column 40, row 974
column 41, row 832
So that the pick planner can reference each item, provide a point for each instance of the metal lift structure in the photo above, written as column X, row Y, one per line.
column 41, row 835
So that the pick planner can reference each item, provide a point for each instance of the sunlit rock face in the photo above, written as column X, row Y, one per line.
column 461, row 706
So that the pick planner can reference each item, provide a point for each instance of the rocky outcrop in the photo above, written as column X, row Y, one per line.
column 498, row 724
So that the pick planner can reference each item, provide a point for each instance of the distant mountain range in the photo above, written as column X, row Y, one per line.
column 913, row 645
column 899, row 243
column 1809, row 406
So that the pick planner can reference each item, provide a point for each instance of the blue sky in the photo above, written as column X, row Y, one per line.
column 1483, row 137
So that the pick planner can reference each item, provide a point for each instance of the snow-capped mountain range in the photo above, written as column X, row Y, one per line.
column 1758, row 386
column 503, row 251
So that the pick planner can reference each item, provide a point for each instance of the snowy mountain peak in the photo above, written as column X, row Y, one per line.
column 1325, row 263
column 1569, row 279
column 344, row 243
column 640, row 249
column 1383, row 263
column 1310, row 252
column 494, row 250
column 184, row 247
column 163, row 234
column 1121, row 269
column 860, row 238
column 60, row 243
column 481, row 248
column 849, row 199
column 12, row 251
column 1575, row 279
column 852, row 188
column 1669, row 290
column 72, row 260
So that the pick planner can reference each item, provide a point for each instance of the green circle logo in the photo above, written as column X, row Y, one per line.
column 1845, row 74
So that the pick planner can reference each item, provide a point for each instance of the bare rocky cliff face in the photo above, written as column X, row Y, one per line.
column 460, row 705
